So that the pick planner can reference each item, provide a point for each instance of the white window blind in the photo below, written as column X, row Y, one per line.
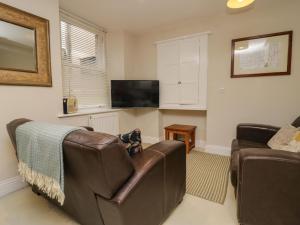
column 83, row 61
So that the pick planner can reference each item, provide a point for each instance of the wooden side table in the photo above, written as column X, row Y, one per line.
column 187, row 131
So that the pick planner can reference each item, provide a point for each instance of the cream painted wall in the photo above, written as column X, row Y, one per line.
column 120, row 50
column 271, row 100
column 148, row 121
column 129, row 54
column 115, row 51
column 38, row 103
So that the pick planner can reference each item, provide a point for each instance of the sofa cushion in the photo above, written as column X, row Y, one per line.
column 282, row 137
column 236, row 146
column 296, row 141
column 241, row 144
column 293, row 145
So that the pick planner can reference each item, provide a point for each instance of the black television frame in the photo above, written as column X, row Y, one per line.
column 153, row 104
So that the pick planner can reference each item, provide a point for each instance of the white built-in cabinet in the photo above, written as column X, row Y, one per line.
column 182, row 72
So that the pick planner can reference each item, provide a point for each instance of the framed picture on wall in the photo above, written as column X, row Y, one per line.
column 263, row 55
column 24, row 48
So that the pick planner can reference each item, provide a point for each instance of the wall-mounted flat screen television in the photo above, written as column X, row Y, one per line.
column 134, row 93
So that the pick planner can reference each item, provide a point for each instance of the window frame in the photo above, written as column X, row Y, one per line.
column 100, row 48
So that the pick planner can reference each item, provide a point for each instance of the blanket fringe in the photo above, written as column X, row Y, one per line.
column 46, row 184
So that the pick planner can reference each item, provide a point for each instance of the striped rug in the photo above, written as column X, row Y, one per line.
column 207, row 176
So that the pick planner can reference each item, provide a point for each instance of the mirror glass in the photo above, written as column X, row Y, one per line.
column 17, row 48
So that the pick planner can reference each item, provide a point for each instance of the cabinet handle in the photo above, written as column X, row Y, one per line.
column 179, row 82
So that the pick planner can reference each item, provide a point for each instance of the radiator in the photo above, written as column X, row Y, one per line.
column 105, row 123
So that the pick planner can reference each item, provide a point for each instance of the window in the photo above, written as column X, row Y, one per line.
column 83, row 62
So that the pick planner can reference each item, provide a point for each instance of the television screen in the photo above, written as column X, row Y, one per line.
column 134, row 93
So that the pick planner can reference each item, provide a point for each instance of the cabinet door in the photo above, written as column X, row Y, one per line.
column 169, row 84
column 189, row 50
column 168, row 72
column 168, row 53
column 169, row 94
column 189, row 71
column 189, row 94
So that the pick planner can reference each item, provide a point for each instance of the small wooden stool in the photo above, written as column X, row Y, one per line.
column 187, row 131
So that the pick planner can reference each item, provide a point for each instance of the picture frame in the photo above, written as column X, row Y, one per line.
column 25, row 43
column 262, row 55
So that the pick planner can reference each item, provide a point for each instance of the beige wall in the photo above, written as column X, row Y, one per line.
column 120, row 50
column 39, row 103
column 271, row 100
column 115, row 51
column 148, row 121
column 129, row 54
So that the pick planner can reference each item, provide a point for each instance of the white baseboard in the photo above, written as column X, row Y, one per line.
column 150, row 140
column 200, row 144
column 216, row 149
column 11, row 185
column 153, row 140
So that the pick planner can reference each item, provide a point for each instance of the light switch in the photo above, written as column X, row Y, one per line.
column 221, row 90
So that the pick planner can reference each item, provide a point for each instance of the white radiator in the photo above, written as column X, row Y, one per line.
column 105, row 123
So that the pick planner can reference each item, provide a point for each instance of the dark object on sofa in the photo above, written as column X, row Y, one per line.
column 266, row 181
column 132, row 141
column 104, row 186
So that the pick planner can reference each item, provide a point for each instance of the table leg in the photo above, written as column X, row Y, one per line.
column 193, row 139
column 187, row 143
column 175, row 136
column 167, row 135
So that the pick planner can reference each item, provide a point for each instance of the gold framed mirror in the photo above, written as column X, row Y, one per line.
column 24, row 48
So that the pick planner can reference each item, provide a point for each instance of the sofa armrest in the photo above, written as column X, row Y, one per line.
column 268, row 187
column 145, row 164
column 155, row 189
column 168, row 154
column 88, row 128
column 11, row 129
column 256, row 132
column 141, row 199
column 174, row 153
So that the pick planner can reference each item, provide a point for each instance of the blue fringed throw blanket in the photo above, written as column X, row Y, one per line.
column 39, row 147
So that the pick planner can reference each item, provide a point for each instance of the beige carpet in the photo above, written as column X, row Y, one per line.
column 26, row 208
column 207, row 176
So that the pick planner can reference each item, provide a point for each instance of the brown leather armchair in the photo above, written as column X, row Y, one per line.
column 266, row 181
column 104, row 186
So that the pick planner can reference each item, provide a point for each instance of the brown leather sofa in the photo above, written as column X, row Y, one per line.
column 266, row 181
column 104, row 186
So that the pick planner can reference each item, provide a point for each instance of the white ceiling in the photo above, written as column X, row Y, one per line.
column 140, row 15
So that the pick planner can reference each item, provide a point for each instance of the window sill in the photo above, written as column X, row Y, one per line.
column 182, row 107
column 83, row 112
